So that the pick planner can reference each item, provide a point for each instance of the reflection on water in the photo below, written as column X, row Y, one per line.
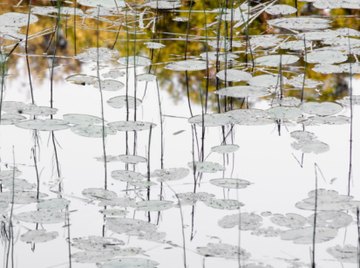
column 182, row 133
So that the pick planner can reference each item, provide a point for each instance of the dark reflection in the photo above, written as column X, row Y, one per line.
column 182, row 39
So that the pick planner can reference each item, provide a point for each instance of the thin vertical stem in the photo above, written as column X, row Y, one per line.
column 148, row 170
column 101, row 100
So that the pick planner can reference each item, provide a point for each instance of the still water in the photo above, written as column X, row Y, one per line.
column 179, row 133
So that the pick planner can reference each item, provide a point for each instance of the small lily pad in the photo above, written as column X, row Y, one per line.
column 38, row 236
column 230, row 183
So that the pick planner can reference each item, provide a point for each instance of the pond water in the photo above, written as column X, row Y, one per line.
column 179, row 133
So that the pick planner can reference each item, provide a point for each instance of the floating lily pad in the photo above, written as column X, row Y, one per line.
column 280, row 10
column 247, row 221
column 119, row 102
column 92, row 131
column 132, row 159
column 131, row 125
column 130, row 226
column 93, row 54
column 226, row 204
column 154, row 45
column 321, row 108
column 275, row 60
column 102, row 3
column 230, row 183
column 305, row 235
column 53, row 203
column 289, row 220
column 332, row 4
column 225, row 148
column 233, row 75
column 145, row 77
column 300, row 23
column 94, row 243
column 311, row 146
column 346, row 253
column 81, row 79
column 190, row 198
column 11, row 119
column 170, row 174
column 21, row 197
column 15, row 19
column 270, row 81
column 153, row 205
column 109, row 85
column 43, row 216
column 82, row 119
column 127, row 175
column 221, row 250
column 187, row 65
column 161, row 4
column 38, row 236
column 43, row 124
column 210, row 120
column 206, row 166
column 325, row 57
column 98, row 194
column 284, row 113
column 331, row 219
column 328, row 200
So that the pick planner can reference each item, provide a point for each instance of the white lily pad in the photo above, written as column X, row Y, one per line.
column 331, row 219
column 43, row 216
column 127, row 175
column 43, row 124
column 131, row 125
column 170, row 174
column 93, row 54
column 53, row 203
column 96, row 243
column 187, row 65
column 225, row 148
column 211, row 120
column 275, row 60
column 344, row 254
column 98, row 194
column 102, row 3
column 230, row 183
column 321, row 108
column 92, row 131
column 289, row 220
column 325, row 57
column 226, row 204
column 16, row 19
column 119, row 102
column 247, row 221
column 81, row 79
column 145, row 77
column 206, row 166
column 154, row 45
column 305, row 235
column 233, row 75
column 300, row 23
column 38, row 236
column 132, row 159
column 280, row 10
column 109, row 85
column 162, row 4
column 154, row 205
column 221, row 250
column 82, row 119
